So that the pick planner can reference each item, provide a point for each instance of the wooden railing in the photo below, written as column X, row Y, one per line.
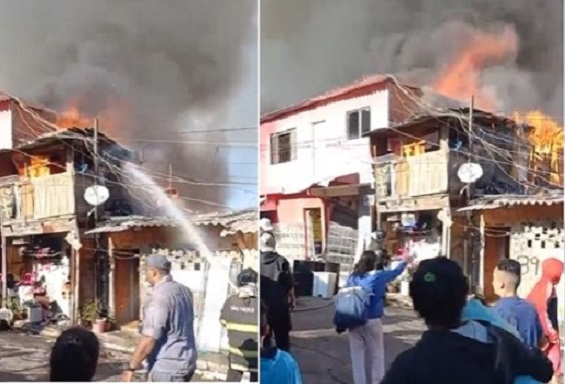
column 425, row 174
column 37, row 198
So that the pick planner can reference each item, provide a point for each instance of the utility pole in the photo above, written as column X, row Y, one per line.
column 470, row 193
column 95, row 146
column 471, row 189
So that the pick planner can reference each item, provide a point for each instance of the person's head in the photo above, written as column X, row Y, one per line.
column 74, row 357
column 156, row 267
column 265, row 225
column 268, row 242
column 367, row 263
column 247, row 277
column 506, row 278
column 439, row 292
column 552, row 269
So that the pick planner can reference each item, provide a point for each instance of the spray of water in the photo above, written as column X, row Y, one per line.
column 169, row 207
column 171, row 210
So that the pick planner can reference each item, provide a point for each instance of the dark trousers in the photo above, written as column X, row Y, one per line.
column 282, row 338
column 236, row 376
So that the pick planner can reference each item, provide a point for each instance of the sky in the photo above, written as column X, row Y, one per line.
column 153, row 71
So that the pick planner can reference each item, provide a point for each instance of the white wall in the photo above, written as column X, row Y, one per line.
column 332, row 155
column 5, row 126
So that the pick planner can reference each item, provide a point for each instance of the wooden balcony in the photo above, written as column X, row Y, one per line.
column 421, row 175
column 38, row 198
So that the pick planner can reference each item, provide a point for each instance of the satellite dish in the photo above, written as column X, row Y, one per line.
column 96, row 195
column 469, row 172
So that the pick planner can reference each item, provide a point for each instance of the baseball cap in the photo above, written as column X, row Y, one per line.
column 439, row 281
column 265, row 225
column 159, row 262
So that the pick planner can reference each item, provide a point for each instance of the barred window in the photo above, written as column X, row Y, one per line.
column 283, row 146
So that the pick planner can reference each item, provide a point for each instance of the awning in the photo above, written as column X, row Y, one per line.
column 505, row 201
column 268, row 204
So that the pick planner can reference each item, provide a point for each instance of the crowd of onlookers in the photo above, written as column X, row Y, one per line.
column 514, row 340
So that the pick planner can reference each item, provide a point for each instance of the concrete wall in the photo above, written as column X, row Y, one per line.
column 210, row 283
column 536, row 233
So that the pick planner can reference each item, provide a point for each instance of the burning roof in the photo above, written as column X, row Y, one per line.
column 78, row 134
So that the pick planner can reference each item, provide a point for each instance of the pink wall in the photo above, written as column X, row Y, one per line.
column 264, row 157
column 291, row 211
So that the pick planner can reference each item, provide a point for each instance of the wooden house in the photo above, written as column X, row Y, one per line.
column 418, row 177
column 43, row 212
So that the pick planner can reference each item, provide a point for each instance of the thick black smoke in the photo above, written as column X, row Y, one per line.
column 310, row 46
column 169, row 66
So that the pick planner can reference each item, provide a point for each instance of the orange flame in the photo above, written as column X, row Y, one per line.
column 547, row 139
column 460, row 79
column 546, row 135
column 72, row 118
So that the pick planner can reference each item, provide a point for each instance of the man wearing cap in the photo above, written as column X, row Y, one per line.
column 277, row 290
column 240, row 317
column 168, row 341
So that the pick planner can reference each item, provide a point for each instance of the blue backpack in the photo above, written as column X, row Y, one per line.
column 351, row 307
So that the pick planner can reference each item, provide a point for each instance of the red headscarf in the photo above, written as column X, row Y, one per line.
column 551, row 271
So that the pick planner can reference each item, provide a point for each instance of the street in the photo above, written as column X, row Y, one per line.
column 26, row 358
column 323, row 355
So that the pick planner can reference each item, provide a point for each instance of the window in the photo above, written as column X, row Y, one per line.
column 358, row 123
column 283, row 147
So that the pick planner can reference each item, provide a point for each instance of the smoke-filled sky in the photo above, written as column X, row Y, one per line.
column 154, row 68
column 310, row 46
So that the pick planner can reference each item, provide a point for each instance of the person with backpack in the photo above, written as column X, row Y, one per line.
column 458, row 347
column 359, row 309
column 477, row 310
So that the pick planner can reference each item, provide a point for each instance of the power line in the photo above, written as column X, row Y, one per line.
column 216, row 130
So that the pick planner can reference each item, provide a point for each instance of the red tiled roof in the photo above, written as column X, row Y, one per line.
column 369, row 82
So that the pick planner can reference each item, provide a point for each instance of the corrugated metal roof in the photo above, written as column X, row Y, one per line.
column 245, row 221
column 503, row 201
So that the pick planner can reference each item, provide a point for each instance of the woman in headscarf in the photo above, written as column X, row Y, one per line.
column 544, row 297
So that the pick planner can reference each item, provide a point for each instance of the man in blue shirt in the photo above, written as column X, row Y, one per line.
column 516, row 311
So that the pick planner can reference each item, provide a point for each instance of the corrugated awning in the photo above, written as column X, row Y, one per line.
column 504, row 201
column 245, row 221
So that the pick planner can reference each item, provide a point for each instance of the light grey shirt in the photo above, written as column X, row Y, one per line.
column 169, row 319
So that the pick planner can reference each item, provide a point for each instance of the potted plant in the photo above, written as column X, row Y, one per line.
column 89, row 313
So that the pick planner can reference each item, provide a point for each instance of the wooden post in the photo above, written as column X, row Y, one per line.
column 75, row 282
column 471, row 187
column 4, row 272
column 482, row 255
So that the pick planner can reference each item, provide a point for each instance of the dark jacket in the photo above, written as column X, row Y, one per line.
column 239, row 316
column 276, row 283
column 447, row 357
